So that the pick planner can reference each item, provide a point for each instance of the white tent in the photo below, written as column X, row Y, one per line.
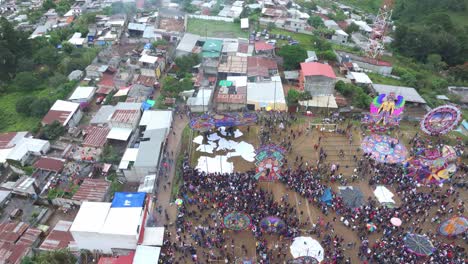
column 384, row 195
column 307, row 246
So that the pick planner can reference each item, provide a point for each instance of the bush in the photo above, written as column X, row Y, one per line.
column 53, row 131
column 292, row 56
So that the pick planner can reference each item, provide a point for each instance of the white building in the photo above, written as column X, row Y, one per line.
column 266, row 95
column 82, row 94
column 19, row 146
column 359, row 78
column 107, row 227
column 77, row 40
column 340, row 37
column 201, row 101
column 65, row 112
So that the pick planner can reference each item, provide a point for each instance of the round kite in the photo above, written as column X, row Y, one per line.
column 237, row 221
column 303, row 260
column 395, row 221
column 418, row 244
column 441, row 120
column 307, row 246
column 384, row 148
column 272, row 224
column 454, row 226
column 179, row 202
column 371, row 227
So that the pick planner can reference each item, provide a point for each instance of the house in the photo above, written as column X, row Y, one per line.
column 261, row 68
column 317, row 78
column 123, row 123
column 136, row 29
column 359, row 78
column 330, row 24
column 461, row 92
column 95, row 71
column 186, row 44
column 212, row 48
column 95, row 136
column 39, row 31
column 106, row 84
column 230, row 47
column 109, row 227
column 244, row 23
column 82, row 94
column 363, row 27
column 200, row 101
column 233, row 65
column 263, row 48
column 106, row 112
column 340, row 37
column 66, row 113
column 375, row 65
column 232, row 93
column 77, row 40
column 170, row 28
column 297, row 25
column 266, row 95
column 16, row 241
column 75, row 75
column 20, row 146
column 49, row 164
column 144, row 157
column 59, row 237
column 311, row 56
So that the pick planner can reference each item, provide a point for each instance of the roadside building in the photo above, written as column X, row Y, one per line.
column 266, row 95
column 66, row 113
column 82, row 94
column 317, row 78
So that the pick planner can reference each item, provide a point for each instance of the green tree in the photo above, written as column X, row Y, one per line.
column 62, row 256
column 271, row 26
column 109, row 154
column 435, row 62
column 57, row 80
column 40, row 107
column 186, row 63
column 315, row 21
column 292, row 55
column 53, row 130
column 67, row 47
column 328, row 55
column 460, row 72
column 46, row 55
column 48, row 4
column 352, row 28
column 25, row 81
column 23, row 105
column 409, row 80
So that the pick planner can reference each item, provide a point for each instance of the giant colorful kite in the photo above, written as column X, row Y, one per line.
column 209, row 121
column 454, row 226
column 385, row 112
column 384, row 148
column 441, row 120
column 237, row 221
column 269, row 161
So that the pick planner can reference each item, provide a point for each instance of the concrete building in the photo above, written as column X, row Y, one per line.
column 82, row 94
column 340, row 37
column 266, row 95
column 19, row 146
column 317, row 78
column 186, row 44
column 67, row 113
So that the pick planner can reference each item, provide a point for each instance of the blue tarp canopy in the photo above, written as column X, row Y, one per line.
column 128, row 199
column 148, row 46
column 327, row 196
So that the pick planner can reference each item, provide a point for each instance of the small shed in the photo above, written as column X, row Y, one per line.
column 82, row 94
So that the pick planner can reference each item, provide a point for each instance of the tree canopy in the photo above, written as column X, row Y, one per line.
column 292, row 55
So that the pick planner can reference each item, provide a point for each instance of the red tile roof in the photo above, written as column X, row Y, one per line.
column 95, row 136
column 49, row 164
column 260, row 66
column 59, row 237
column 125, row 116
column 53, row 115
column 118, row 260
column 263, row 46
column 317, row 69
column 5, row 139
column 92, row 190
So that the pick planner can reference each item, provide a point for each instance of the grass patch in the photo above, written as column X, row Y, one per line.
column 380, row 79
column 217, row 29
column 370, row 6
column 13, row 121
column 178, row 178
column 306, row 41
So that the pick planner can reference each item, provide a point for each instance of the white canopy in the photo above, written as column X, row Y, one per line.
column 119, row 133
column 383, row 194
column 307, row 246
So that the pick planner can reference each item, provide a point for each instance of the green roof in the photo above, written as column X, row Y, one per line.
column 225, row 83
column 210, row 54
column 212, row 45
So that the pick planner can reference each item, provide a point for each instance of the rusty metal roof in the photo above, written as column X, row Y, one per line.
column 95, row 136
column 92, row 190
column 126, row 116
column 59, row 237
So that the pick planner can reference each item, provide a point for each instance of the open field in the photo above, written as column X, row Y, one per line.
column 12, row 119
column 219, row 29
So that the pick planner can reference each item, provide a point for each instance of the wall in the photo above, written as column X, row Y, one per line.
column 319, row 85
column 215, row 18
column 75, row 118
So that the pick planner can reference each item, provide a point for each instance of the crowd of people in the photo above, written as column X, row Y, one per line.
column 209, row 197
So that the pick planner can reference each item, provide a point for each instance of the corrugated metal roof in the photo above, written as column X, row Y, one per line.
column 49, row 164
column 233, row 64
column 95, row 136
column 260, row 66
column 60, row 237
column 12, row 231
column 410, row 94
column 92, row 190
column 125, row 116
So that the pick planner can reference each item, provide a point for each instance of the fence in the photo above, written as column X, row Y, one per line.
column 215, row 18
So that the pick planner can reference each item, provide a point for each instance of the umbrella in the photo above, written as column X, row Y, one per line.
column 395, row 221
column 303, row 260
column 371, row 227
column 454, row 226
column 418, row 244
column 306, row 246
column 179, row 202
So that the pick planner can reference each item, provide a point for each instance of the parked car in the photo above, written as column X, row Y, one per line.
column 267, row 36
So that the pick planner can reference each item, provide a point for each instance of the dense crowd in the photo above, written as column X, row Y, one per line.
column 209, row 197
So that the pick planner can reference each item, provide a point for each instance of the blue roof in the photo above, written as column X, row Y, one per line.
column 128, row 199
column 327, row 196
